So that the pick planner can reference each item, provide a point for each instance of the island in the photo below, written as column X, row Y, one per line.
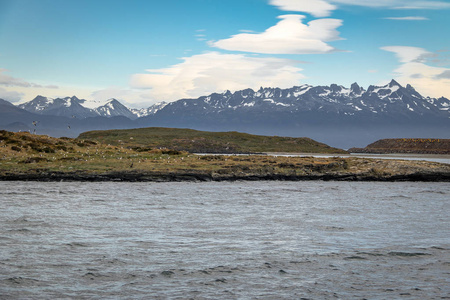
column 406, row 146
column 25, row 156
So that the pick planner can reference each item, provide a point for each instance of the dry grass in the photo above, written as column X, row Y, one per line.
column 24, row 153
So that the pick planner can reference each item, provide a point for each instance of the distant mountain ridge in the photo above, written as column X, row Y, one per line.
column 73, row 107
column 336, row 115
column 389, row 99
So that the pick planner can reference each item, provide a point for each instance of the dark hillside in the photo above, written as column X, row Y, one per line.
column 417, row 146
column 195, row 141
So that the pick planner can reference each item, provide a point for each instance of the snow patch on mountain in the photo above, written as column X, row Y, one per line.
column 391, row 98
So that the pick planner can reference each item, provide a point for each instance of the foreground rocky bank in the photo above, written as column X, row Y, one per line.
column 41, row 158
column 44, row 176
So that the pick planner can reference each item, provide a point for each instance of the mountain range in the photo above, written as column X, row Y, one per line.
column 336, row 115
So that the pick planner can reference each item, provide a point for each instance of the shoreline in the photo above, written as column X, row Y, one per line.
column 143, row 176
column 440, row 158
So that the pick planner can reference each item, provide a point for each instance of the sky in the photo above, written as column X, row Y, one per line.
column 145, row 51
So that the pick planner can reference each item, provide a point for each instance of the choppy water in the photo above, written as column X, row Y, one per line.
column 241, row 240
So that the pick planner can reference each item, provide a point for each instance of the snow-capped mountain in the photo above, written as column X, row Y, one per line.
column 73, row 107
column 336, row 115
column 388, row 100
column 64, row 107
column 143, row 112
column 114, row 108
column 391, row 99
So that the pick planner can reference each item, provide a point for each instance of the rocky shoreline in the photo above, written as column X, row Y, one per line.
column 136, row 176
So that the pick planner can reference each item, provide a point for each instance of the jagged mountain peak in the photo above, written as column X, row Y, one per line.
column 388, row 98
column 394, row 83
column 356, row 89
column 336, row 88
column 114, row 100
column 151, row 110
column 112, row 103
column 113, row 108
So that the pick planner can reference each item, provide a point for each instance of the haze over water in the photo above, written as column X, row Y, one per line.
column 246, row 240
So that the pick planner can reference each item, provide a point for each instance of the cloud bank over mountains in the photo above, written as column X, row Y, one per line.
column 200, row 74
column 415, row 70
column 286, row 50
column 216, row 71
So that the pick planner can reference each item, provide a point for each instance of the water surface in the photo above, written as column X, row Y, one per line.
column 246, row 240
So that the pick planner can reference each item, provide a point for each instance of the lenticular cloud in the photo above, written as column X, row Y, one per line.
column 215, row 72
column 289, row 36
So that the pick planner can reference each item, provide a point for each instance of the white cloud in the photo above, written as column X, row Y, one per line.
column 11, row 96
column 408, row 18
column 397, row 4
column 288, row 36
column 317, row 8
column 203, row 74
column 428, row 80
column 322, row 8
column 407, row 54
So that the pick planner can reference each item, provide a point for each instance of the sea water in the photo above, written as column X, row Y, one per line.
column 224, row 240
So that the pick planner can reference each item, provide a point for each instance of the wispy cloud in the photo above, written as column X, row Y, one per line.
column 397, row 4
column 7, row 80
column 407, row 54
column 429, row 80
column 10, row 81
column 214, row 72
column 317, row 8
column 288, row 36
column 324, row 8
column 444, row 75
column 408, row 18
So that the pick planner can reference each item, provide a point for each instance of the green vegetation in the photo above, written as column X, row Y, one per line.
column 195, row 141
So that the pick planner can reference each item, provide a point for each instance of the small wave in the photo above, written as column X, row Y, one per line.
column 12, row 193
column 21, row 280
column 432, row 192
column 77, row 244
column 400, row 197
column 407, row 254
column 93, row 276
column 21, row 230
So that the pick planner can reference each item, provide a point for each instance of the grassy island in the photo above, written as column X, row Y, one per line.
column 24, row 156
column 195, row 141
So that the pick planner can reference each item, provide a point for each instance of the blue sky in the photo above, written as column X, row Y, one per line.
column 143, row 52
